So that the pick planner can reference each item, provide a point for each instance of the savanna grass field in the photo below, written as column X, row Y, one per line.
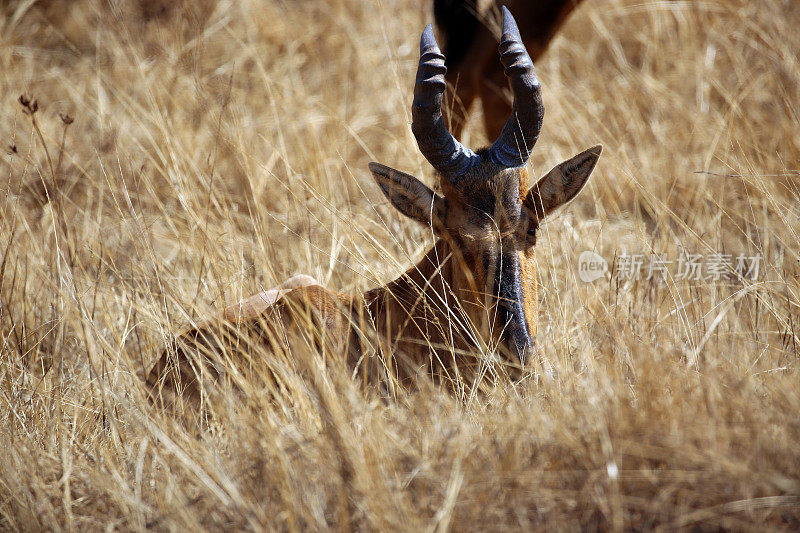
column 168, row 158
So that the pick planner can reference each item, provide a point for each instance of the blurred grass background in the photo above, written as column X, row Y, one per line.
column 219, row 147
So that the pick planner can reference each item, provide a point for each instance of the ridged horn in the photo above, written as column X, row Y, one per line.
column 448, row 156
column 520, row 133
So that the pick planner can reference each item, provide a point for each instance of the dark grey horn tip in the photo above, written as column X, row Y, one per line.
column 509, row 24
column 427, row 40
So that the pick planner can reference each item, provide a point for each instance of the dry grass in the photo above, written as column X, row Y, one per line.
column 220, row 148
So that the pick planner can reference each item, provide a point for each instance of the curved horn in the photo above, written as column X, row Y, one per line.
column 443, row 152
column 521, row 131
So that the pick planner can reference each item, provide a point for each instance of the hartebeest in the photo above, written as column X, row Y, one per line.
column 474, row 291
column 472, row 72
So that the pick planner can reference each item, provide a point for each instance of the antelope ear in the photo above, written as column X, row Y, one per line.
column 559, row 186
column 409, row 195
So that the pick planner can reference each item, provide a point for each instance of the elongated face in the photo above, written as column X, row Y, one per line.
column 490, row 217
column 486, row 220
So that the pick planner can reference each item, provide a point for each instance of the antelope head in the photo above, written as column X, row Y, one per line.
column 488, row 212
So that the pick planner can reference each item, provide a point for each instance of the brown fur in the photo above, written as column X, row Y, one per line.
column 435, row 319
column 473, row 293
column 476, row 74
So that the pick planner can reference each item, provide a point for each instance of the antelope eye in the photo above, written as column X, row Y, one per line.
column 531, row 233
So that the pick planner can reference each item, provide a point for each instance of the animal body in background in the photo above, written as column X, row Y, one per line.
column 472, row 71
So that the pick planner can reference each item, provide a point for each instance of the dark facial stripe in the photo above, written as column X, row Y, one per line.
column 507, row 288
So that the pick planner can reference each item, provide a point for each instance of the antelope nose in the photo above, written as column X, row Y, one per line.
column 519, row 346
column 515, row 341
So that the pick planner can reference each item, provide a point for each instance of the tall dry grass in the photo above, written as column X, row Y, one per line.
column 219, row 147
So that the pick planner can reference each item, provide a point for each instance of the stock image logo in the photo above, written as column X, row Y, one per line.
column 687, row 266
column 591, row 266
